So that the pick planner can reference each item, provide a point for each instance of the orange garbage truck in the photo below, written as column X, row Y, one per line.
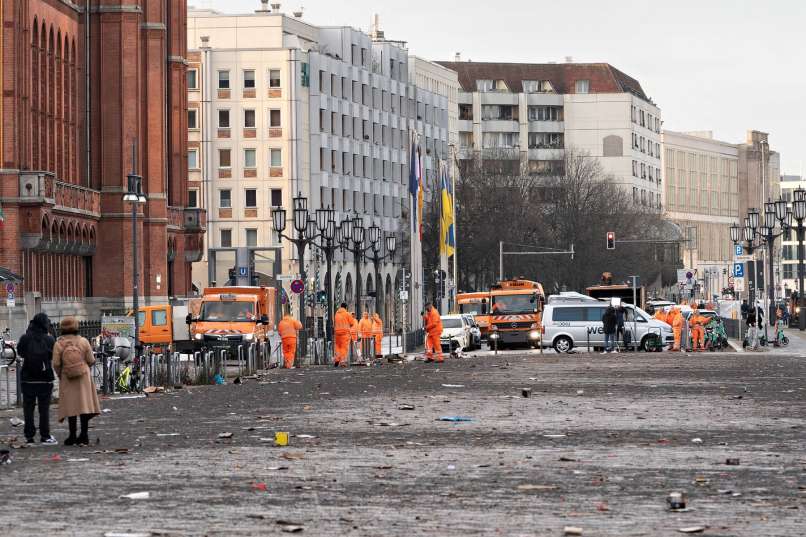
column 232, row 316
column 516, row 313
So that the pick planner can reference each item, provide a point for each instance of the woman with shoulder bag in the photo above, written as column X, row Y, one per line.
column 72, row 358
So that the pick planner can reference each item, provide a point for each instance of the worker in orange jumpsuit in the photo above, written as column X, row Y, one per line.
column 365, row 332
column 377, row 331
column 433, row 330
column 287, row 327
column 676, row 318
column 660, row 315
column 697, row 323
column 343, row 323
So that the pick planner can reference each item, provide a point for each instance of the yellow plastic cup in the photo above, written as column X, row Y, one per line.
column 281, row 438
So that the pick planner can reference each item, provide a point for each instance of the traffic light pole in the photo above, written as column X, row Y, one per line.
column 551, row 251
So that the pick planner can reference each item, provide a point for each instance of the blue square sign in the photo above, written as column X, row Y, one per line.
column 738, row 270
column 243, row 271
column 738, row 249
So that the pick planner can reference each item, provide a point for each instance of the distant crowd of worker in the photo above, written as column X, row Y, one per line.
column 684, row 328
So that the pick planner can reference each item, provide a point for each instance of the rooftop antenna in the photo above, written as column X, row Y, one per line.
column 298, row 12
column 264, row 7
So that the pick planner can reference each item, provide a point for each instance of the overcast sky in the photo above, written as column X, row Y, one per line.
column 720, row 65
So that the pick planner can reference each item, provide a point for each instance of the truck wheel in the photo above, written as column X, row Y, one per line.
column 563, row 345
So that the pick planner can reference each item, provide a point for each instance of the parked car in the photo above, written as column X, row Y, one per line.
column 455, row 333
column 475, row 332
column 573, row 324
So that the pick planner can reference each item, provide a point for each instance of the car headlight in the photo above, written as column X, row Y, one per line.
column 797, row 310
column 249, row 337
column 198, row 337
column 534, row 334
column 494, row 335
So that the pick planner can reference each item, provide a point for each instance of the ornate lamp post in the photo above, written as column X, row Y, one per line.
column 135, row 197
column 304, row 228
column 329, row 243
column 799, row 213
column 376, row 247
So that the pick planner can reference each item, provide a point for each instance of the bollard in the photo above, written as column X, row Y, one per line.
column 223, row 361
column 8, row 385
column 240, row 355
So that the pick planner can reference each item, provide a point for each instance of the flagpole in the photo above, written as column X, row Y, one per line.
column 453, row 169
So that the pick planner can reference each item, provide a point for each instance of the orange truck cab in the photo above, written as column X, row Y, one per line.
column 477, row 305
column 157, row 325
column 231, row 316
column 516, row 309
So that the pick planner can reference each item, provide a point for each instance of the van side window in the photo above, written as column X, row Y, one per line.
column 568, row 314
column 141, row 318
column 159, row 318
column 595, row 314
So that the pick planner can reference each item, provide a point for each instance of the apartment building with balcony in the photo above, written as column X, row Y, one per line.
column 282, row 107
column 529, row 115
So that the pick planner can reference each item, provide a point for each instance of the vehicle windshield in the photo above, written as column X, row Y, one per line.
column 228, row 311
column 451, row 323
column 473, row 308
column 507, row 304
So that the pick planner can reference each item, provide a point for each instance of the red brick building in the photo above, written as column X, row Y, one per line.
column 82, row 81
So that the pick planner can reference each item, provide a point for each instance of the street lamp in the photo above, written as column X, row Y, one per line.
column 376, row 246
column 134, row 195
column 799, row 214
column 329, row 243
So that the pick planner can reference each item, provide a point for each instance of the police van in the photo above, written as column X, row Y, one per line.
column 577, row 322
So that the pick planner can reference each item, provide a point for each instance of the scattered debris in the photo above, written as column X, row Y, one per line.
column 106, row 410
column 580, row 392
column 304, row 436
column 572, row 530
column 225, row 435
column 526, row 392
column 553, row 436
column 281, row 438
column 260, row 486
column 602, row 507
column 693, row 529
column 136, row 496
column 167, row 434
column 289, row 527
column 696, row 440
column 732, row 461
column 567, row 459
column 16, row 422
column 78, row 460
column 56, row 457
column 292, row 456
column 405, row 407
column 537, row 488
column 5, row 456
column 676, row 500
column 153, row 389
column 453, row 385
column 126, row 534
column 454, row 418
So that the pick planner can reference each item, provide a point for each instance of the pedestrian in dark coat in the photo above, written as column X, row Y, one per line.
column 609, row 324
column 36, row 377
column 620, row 315
column 77, row 396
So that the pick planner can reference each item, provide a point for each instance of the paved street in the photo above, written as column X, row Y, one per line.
column 599, row 445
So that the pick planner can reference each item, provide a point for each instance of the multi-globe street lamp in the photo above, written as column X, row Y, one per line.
column 376, row 247
column 799, row 214
column 135, row 196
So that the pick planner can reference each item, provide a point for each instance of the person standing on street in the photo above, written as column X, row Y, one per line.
column 609, row 325
column 698, row 323
column 377, row 331
column 676, row 320
column 365, row 333
column 36, row 349
column 433, row 330
column 72, row 358
column 287, row 327
column 342, row 326
column 620, row 314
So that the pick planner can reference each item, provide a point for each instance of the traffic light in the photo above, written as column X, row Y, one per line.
column 611, row 240
column 321, row 297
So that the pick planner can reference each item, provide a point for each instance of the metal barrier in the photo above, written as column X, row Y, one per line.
column 7, row 401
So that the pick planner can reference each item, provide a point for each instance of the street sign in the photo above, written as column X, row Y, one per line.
column 738, row 285
column 404, row 295
column 243, row 271
column 9, row 287
column 744, row 258
column 738, row 270
column 11, row 301
column 286, row 277
column 739, row 250
column 297, row 286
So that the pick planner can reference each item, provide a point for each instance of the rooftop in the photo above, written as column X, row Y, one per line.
column 603, row 77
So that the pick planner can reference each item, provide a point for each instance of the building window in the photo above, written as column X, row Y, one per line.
column 635, row 168
column 193, row 115
column 484, row 85
column 274, row 118
column 224, row 160
column 225, row 199
column 545, row 113
column 545, row 140
column 643, row 171
column 249, row 79
column 193, row 198
column 223, row 119
column 223, row 80
column 276, row 197
column 250, row 198
column 249, row 119
column 274, row 78
column 582, row 86
column 276, row 159
column 249, row 158
column 226, row 238
column 193, row 159
column 251, row 237
column 193, row 79
column 643, row 119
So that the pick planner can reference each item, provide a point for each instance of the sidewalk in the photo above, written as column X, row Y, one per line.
column 797, row 343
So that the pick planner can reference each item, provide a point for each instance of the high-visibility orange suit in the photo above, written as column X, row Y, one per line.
column 697, row 330
column 343, row 324
column 677, row 326
column 365, row 332
column 287, row 327
column 433, row 330
column 660, row 315
column 377, row 331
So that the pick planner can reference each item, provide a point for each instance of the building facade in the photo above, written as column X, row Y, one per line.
column 282, row 107
column 531, row 114
column 787, row 275
column 702, row 197
column 73, row 107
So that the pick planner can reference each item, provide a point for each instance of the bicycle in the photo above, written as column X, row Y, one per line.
column 781, row 340
column 8, row 351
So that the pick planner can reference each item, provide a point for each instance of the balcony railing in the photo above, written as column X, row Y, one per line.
column 44, row 188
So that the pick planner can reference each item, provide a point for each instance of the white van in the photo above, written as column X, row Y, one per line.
column 570, row 324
